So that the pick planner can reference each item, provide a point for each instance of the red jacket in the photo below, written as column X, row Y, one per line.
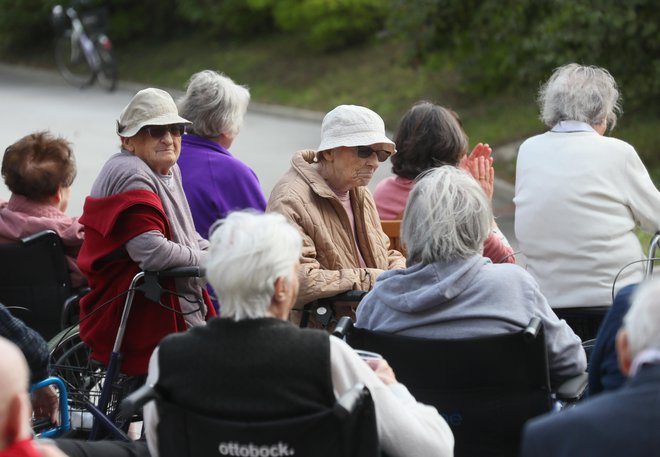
column 109, row 223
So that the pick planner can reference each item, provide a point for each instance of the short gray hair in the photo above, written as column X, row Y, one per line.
column 579, row 93
column 248, row 253
column 642, row 322
column 214, row 104
column 447, row 217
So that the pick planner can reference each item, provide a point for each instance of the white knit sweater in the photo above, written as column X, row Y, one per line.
column 579, row 196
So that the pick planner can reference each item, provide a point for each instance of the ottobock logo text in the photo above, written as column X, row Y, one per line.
column 235, row 449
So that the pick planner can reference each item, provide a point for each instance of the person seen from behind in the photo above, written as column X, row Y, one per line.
column 429, row 136
column 270, row 368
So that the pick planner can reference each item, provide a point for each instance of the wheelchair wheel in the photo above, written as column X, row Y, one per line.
column 71, row 61
column 84, row 378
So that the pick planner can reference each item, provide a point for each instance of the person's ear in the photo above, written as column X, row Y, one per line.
column 329, row 155
column 127, row 143
column 623, row 352
column 281, row 289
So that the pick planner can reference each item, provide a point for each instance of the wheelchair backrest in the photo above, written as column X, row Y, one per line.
column 332, row 432
column 486, row 388
column 34, row 281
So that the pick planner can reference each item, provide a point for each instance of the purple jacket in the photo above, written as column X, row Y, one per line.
column 215, row 182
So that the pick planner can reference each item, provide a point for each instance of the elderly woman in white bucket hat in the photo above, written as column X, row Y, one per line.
column 324, row 195
column 137, row 218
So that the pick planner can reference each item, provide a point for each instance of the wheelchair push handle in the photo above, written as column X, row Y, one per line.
column 131, row 404
column 181, row 272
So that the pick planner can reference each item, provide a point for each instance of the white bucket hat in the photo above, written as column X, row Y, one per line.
column 351, row 125
column 148, row 107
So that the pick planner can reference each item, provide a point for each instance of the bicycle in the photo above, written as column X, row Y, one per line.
column 83, row 52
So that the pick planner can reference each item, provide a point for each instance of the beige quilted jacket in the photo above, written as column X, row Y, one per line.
column 329, row 262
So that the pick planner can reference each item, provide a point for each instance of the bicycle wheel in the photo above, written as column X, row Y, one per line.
column 71, row 61
column 107, row 73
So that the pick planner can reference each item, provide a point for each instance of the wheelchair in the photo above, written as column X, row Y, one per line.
column 347, row 429
column 486, row 388
column 95, row 390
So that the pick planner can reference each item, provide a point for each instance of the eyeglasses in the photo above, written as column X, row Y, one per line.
column 158, row 131
column 364, row 152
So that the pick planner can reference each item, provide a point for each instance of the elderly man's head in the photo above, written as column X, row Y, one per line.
column 447, row 217
column 253, row 264
column 638, row 340
column 15, row 409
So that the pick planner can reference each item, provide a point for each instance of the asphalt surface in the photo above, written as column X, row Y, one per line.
column 35, row 100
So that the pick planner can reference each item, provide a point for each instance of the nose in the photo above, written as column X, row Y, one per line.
column 373, row 160
column 167, row 138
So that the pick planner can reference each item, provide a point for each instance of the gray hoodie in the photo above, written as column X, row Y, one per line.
column 467, row 298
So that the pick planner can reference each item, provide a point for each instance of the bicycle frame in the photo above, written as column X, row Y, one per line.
column 79, row 35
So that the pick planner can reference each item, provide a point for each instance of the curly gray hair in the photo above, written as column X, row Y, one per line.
column 580, row 93
column 214, row 104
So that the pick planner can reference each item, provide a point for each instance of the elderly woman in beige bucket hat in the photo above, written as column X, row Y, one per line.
column 137, row 218
column 324, row 195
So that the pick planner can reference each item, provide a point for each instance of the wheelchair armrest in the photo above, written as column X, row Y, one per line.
column 573, row 389
column 353, row 397
column 351, row 295
column 137, row 400
column 71, row 309
column 343, row 327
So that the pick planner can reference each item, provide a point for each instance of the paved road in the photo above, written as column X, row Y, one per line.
column 38, row 100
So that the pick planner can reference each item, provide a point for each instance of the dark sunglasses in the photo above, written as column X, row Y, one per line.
column 158, row 131
column 364, row 152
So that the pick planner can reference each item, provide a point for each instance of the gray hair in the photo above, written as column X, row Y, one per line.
column 642, row 322
column 214, row 104
column 248, row 253
column 447, row 217
column 579, row 93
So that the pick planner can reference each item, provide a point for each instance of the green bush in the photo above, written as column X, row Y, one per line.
column 226, row 18
column 327, row 25
column 508, row 43
column 25, row 23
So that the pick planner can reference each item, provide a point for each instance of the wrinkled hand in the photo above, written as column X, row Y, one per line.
column 382, row 370
column 45, row 403
column 480, row 165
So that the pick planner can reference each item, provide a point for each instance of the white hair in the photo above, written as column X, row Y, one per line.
column 579, row 93
column 447, row 217
column 248, row 253
column 214, row 104
column 642, row 322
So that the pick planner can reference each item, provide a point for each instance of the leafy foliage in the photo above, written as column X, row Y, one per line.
column 506, row 43
column 329, row 24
